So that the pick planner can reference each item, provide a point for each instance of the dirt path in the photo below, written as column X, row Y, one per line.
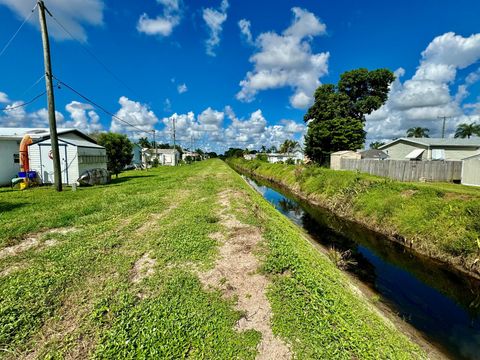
column 236, row 274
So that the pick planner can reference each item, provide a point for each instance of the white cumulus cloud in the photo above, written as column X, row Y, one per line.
column 214, row 18
column 287, row 60
column 134, row 113
column 82, row 117
column 73, row 14
column 4, row 98
column 162, row 25
column 427, row 95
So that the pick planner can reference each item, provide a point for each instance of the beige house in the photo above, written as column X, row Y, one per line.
column 336, row 158
column 471, row 170
column 431, row 148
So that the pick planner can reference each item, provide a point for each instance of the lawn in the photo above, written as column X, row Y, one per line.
column 117, row 271
column 437, row 219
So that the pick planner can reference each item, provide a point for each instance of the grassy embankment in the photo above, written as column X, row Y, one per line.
column 119, row 278
column 436, row 219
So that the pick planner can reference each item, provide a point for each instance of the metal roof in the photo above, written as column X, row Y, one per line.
column 448, row 142
column 415, row 154
column 373, row 154
column 35, row 133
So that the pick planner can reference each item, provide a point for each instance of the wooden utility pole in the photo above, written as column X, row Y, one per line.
column 57, row 172
column 443, row 126
column 174, row 144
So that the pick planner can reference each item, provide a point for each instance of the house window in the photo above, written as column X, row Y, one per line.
column 16, row 158
column 438, row 154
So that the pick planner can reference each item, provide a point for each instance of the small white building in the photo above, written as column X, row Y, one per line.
column 165, row 157
column 336, row 158
column 297, row 156
column 471, row 170
column 78, row 152
column 250, row 156
column 192, row 155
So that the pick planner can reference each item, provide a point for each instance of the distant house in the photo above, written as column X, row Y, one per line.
column 165, row 157
column 78, row 152
column 297, row 156
column 250, row 156
column 137, row 155
column 471, row 170
column 431, row 148
column 193, row 155
column 336, row 158
column 373, row 154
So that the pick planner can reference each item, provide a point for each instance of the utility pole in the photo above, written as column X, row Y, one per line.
column 57, row 172
column 154, row 145
column 174, row 143
column 443, row 126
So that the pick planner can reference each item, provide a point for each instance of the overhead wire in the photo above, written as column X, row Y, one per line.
column 92, row 54
column 12, row 107
column 95, row 104
column 18, row 30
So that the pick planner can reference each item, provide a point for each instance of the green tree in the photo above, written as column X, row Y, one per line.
column 233, row 152
column 418, row 132
column 467, row 130
column 144, row 143
column 336, row 120
column 119, row 150
column 376, row 144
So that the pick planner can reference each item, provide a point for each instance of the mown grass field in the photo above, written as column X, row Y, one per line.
column 113, row 272
column 439, row 220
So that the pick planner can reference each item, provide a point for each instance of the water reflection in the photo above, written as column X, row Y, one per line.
column 436, row 300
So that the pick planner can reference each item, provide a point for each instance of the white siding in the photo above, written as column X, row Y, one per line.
column 400, row 150
column 8, row 168
column 471, row 171
column 74, row 166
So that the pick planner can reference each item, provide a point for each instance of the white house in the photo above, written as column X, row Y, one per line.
column 431, row 148
column 250, row 156
column 297, row 156
column 167, row 157
column 78, row 152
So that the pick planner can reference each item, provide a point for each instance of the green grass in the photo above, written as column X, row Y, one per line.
column 77, row 298
column 439, row 220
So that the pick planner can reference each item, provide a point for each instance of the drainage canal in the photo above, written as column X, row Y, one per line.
column 443, row 305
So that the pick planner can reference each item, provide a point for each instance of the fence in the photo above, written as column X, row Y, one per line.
column 404, row 170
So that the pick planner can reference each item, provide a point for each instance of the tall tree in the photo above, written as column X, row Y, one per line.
column 336, row 120
column 119, row 150
column 376, row 144
column 466, row 130
column 144, row 143
column 418, row 132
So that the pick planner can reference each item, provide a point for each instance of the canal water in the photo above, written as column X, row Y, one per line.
column 440, row 303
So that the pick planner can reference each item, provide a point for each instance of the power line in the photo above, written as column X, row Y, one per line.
column 18, row 30
column 99, row 106
column 12, row 107
column 92, row 54
column 33, row 85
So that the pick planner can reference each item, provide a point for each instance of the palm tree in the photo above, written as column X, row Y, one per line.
column 288, row 146
column 144, row 143
column 418, row 132
column 466, row 130
column 376, row 144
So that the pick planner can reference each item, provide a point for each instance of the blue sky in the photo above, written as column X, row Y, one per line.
column 159, row 49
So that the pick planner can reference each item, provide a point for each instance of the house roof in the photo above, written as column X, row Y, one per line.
column 373, row 154
column 343, row 152
column 472, row 156
column 448, row 142
column 35, row 133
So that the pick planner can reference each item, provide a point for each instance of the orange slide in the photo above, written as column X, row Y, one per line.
column 24, row 162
